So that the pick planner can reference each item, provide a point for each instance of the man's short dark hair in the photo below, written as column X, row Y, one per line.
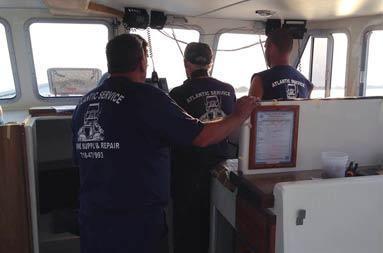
column 198, row 53
column 282, row 39
column 125, row 52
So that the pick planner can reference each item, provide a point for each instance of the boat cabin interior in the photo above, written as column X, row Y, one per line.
column 53, row 52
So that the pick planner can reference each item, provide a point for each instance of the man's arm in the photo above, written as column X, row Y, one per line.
column 171, row 123
column 256, row 88
column 215, row 132
column 233, row 138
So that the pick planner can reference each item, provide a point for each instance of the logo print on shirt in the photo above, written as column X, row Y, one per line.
column 213, row 109
column 291, row 91
column 91, row 130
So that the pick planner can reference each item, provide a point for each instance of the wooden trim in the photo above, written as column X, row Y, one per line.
column 15, row 216
column 272, row 237
column 27, row 187
column 105, row 9
column 49, row 111
column 253, row 133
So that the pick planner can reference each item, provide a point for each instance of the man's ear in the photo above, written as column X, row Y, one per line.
column 143, row 64
column 209, row 67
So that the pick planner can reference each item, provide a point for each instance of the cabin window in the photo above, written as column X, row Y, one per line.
column 7, row 85
column 238, row 57
column 339, row 65
column 66, row 54
column 324, row 62
column 374, row 83
column 168, row 46
column 319, row 62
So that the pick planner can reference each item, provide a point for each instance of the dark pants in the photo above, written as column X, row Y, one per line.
column 142, row 232
column 191, row 176
column 191, row 227
column 191, row 205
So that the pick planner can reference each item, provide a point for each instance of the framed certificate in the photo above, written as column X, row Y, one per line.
column 274, row 137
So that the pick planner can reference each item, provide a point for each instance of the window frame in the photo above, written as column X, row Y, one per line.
column 185, row 27
column 28, row 23
column 325, row 33
column 12, row 56
column 364, row 58
column 196, row 28
column 217, row 37
column 238, row 30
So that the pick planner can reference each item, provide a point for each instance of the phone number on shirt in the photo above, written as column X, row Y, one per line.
column 92, row 155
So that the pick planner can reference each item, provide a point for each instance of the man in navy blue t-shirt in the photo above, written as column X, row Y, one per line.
column 281, row 81
column 122, row 131
column 207, row 99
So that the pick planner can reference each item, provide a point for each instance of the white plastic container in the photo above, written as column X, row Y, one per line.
column 334, row 164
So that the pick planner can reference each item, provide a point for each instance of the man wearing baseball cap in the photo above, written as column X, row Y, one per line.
column 207, row 99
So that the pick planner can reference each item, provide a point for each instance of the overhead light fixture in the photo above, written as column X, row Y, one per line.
column 265, row 13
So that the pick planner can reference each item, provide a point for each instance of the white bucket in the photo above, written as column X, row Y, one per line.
column 334, row 164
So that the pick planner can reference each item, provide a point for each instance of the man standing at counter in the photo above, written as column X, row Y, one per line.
column 122, row 131
column 207, row 99
column 281, row 81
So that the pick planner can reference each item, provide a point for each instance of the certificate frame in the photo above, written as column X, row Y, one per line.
column 253, row 164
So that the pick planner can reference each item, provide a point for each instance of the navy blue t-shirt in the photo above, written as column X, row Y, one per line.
column 122, row 132
column 205, row 98
column 284, row 82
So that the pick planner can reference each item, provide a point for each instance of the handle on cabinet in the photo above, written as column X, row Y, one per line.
column 300, row 217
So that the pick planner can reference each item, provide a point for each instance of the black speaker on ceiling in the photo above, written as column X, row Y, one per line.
column 157, row 19
column 297, row 28
column 272, row 25
column 136, row 18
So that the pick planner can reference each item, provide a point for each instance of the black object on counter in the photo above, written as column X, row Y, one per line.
column 350, row 170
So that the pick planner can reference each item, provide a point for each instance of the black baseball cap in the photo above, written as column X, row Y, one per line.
column 198, row 53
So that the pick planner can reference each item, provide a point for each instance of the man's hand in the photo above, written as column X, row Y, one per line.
column 244, row 106
column 215, row 132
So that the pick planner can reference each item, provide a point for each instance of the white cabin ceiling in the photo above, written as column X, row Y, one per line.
column 243, row 10
column 22, row 4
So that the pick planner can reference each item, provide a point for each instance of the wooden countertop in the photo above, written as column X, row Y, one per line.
column 259, row 188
